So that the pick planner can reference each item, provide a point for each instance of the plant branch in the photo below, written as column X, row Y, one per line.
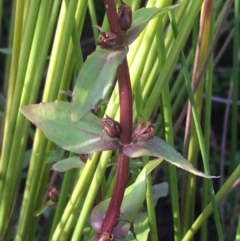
column 125, row 95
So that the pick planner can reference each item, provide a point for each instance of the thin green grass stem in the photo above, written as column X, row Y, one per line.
column 180, row 13
column 150, row 204
column 38, row 202
column 68, row 227
column 178, row 85
column 208, row 209
column 172, row 172
column 135, row 4
column 158, row 128
column 235, row 76
column 27, row 210
column 103, row 187
column 207, row 127
column 111, row 181
column 80, row 14
column 67, row 181
column 220, row 8
column 204, row 196
column 15, row 44
column 199, row 134
column 149, row 63
column 27, row 5
column 67, row 75
column 179, row 98
column 73, row 61
column 76, row 47
column 168, row 130
column 93, row 17
column 192, row 152
column 17, row 169
column 237, row 238
column 152, row 76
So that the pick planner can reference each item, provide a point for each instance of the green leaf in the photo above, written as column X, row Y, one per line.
column 160, row 190
column 159, row 148
column 68, row 163
column 141, row 18
column 94, row 80
column 130, row 237
column 141, row 226
column 54, row 155
column 54, row 120
column 141, row 221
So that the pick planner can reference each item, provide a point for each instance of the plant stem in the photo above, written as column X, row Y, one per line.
column 113, row 20
column 125, row 95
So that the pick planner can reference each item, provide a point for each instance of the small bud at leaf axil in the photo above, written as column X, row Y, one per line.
column 111, row 127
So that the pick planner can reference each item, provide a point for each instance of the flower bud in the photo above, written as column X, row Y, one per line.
column 53, row 193
column 107, row 39
column 83, row 157
column 143, row 132
column 124, row 16
column 111, row 127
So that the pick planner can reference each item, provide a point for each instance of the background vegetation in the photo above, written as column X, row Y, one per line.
column 197, row 44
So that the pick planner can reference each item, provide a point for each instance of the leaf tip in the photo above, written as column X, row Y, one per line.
column 202, row 174
column 215, row 176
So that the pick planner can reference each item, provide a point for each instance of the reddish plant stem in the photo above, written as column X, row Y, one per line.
column 125, row 95
column 113, row 211
column 113, row 19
